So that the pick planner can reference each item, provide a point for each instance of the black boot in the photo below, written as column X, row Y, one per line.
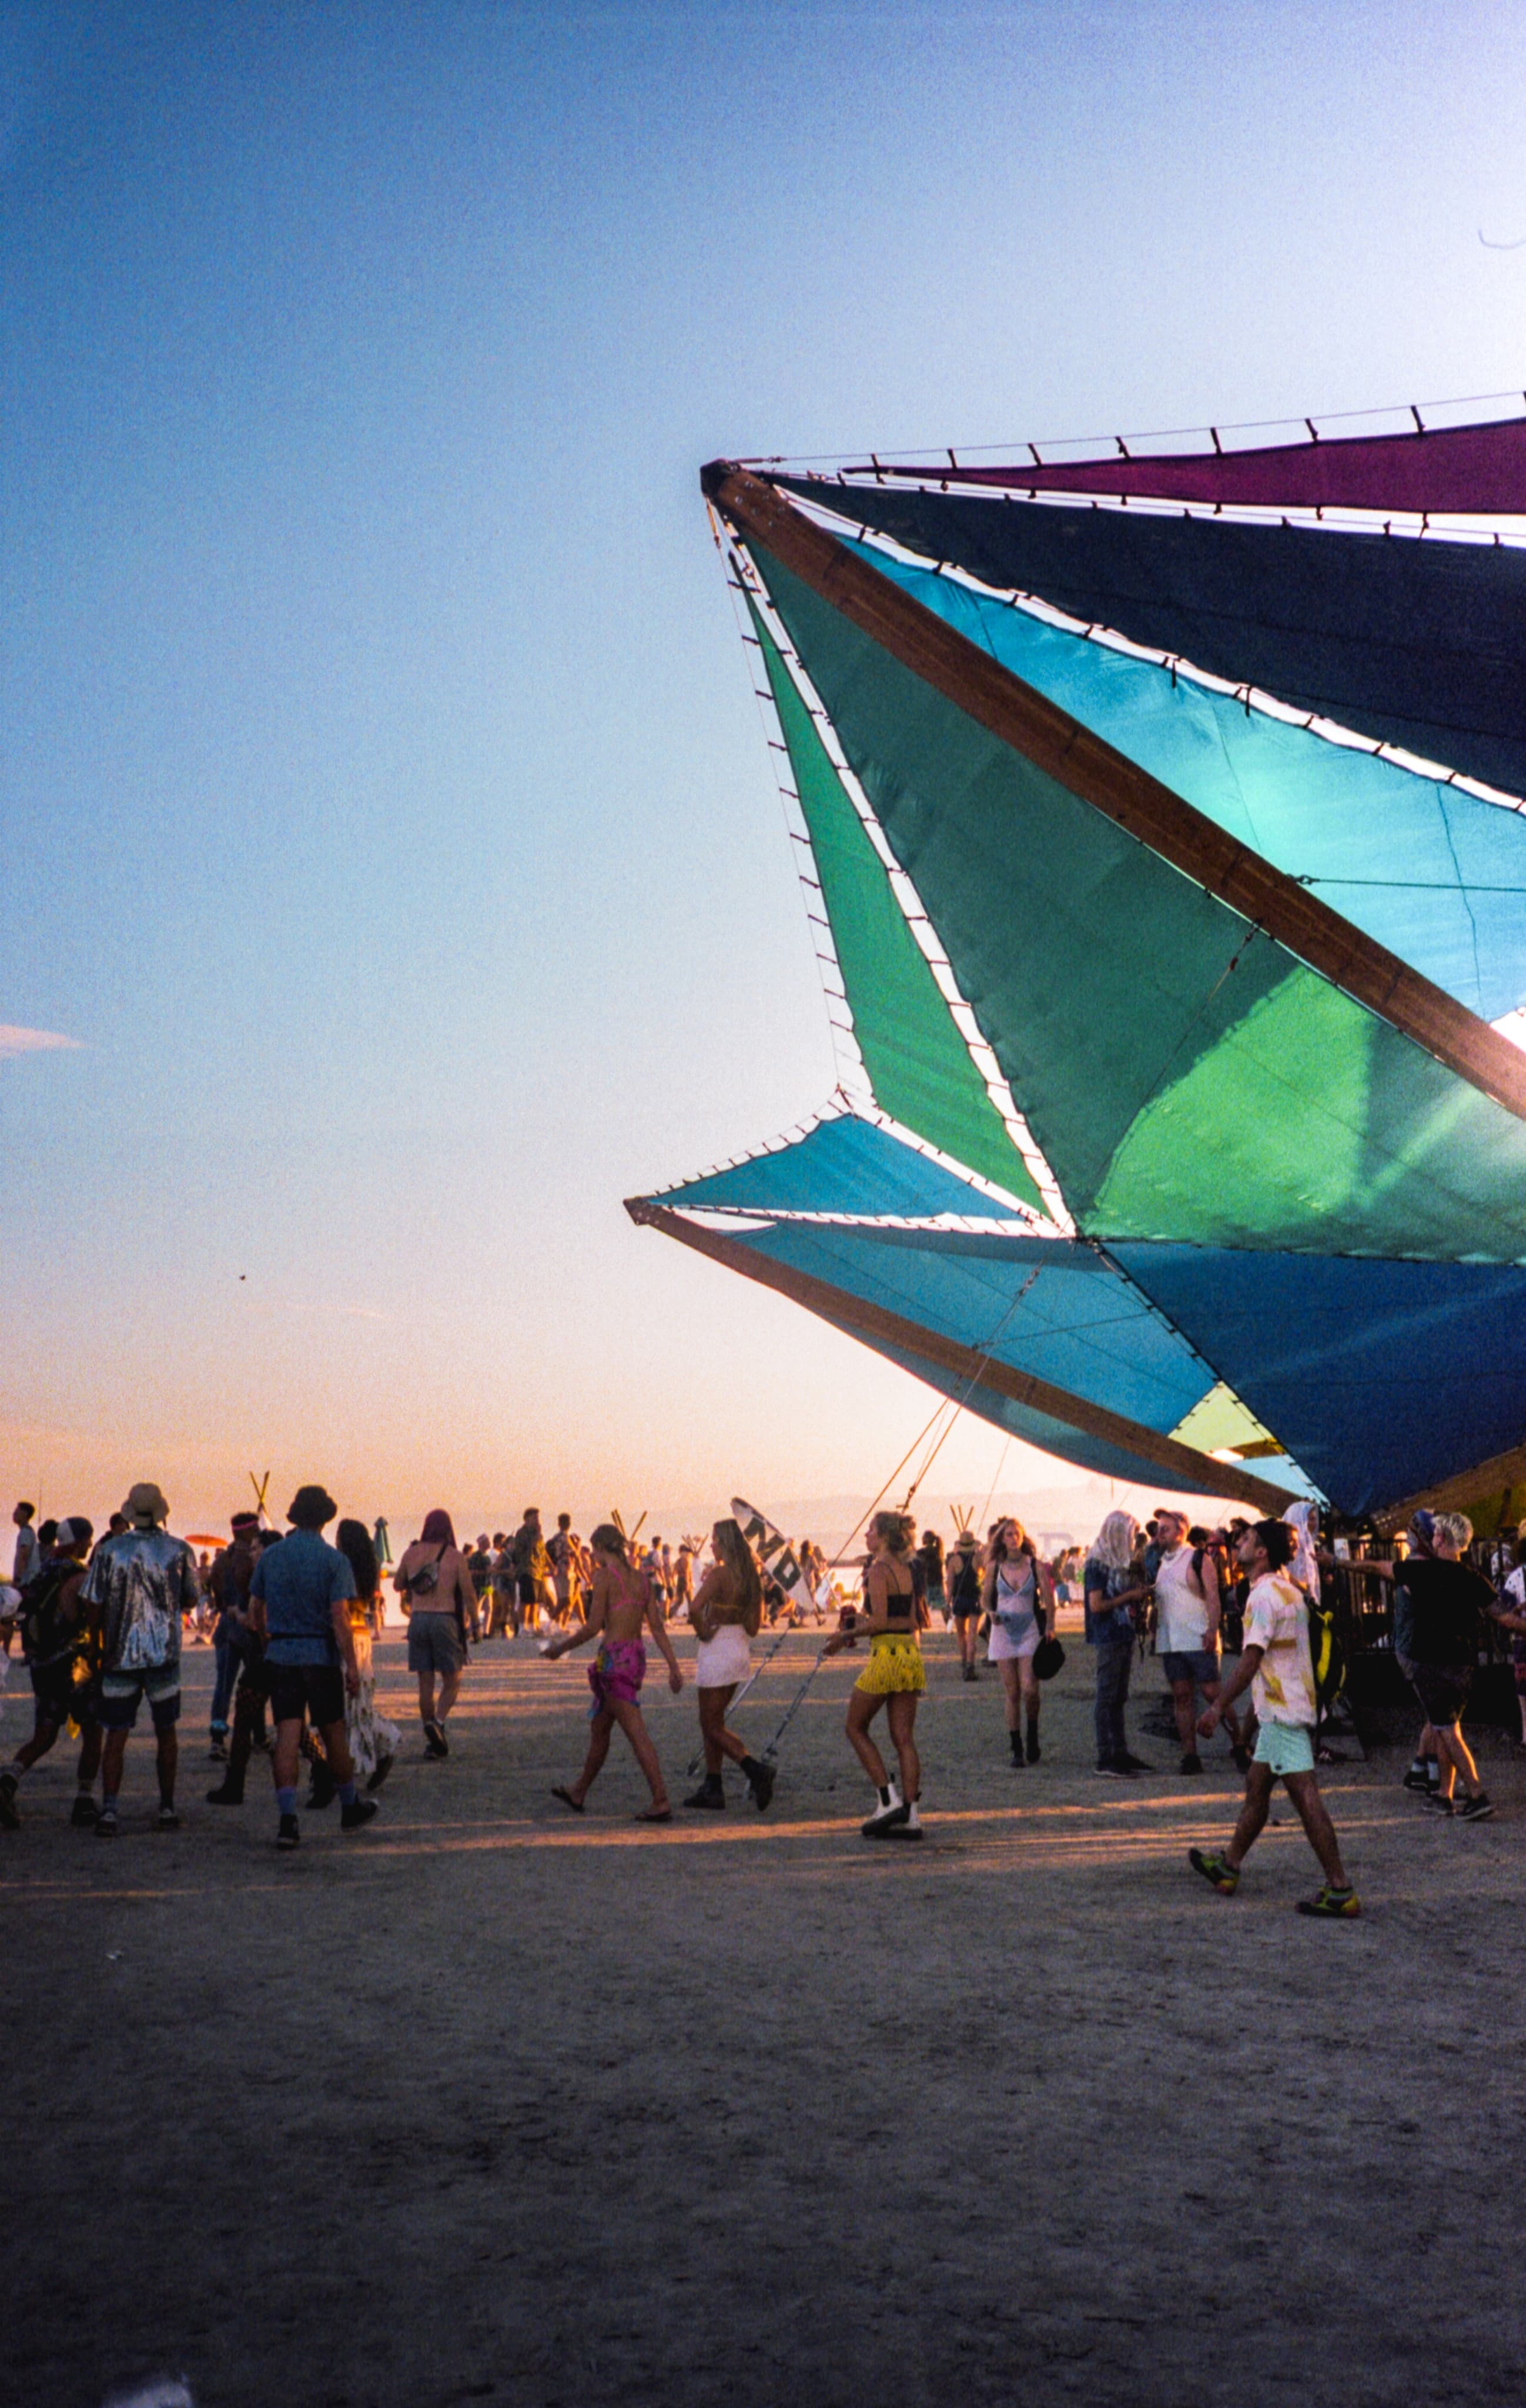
column 709, row 1794
column 1016, row 1738
column 760, row 1778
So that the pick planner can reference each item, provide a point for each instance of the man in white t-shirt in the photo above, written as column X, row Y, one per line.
column 1187, row 1632
column 1278, row 1667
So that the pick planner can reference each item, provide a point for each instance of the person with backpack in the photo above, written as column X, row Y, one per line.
column 53, row 1641
column 962, row 1573
column 1187, row 1635
column 1277, row 1668
column 433, row 1577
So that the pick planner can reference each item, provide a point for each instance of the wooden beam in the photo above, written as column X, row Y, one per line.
column 1112, row 783
column 1201, row 1473
column 1464, row 1489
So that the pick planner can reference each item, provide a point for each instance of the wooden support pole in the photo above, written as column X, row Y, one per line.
column 1203, row 1474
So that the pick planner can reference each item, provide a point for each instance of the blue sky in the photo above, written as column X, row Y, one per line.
column 386, row 815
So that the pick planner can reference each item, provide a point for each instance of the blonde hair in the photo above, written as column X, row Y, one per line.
column 898, row 1531
column 1458, row 1528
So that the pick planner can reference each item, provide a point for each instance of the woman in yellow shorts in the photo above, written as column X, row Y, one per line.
column 893, row 1677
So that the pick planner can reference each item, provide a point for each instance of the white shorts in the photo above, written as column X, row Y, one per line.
column 723, row 1662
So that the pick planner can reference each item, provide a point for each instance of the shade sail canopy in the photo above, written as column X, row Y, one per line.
column 1189, row 989
column 844, row 1164
column 1454, row 471
column 1054, row 1336
column 1419, row 645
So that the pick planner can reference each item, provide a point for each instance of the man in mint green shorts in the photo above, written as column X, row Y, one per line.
column 1277, row 1668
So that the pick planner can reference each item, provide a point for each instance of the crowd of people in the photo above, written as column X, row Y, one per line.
column 292, row 1619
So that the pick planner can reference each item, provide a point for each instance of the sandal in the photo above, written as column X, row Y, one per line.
column 656, row 1815
column 569, row 1800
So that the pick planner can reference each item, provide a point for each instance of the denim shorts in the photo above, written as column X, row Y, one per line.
column 1201, row 1668
column 1285, row 1747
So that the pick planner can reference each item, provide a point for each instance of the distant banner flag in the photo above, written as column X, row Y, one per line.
column 778, row 1555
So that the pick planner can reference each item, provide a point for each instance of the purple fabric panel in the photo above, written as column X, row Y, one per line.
column 1458, row 468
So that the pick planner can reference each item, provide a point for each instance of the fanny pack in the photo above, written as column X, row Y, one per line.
column 423, row 1581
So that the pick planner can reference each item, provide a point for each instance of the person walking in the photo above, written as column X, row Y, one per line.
column 137, row 1593
column 373, row 1740
column 501, row 1622
column 726, row 1616
column 1439, row 1605
column 1511, row 1612
column 1276, row 1666
column 433, row 1578
column 229, row 1584
column 894, row 1677
column 621, row 1606
column 1187, row 1637
column 53, row 1641
column 299, row 1609
column 1020, row 1598
column 26, row 1562
column 1112, row 1586
column 561, row 1551
column 962, row 1573
column 531, row 1569
column 930, row 1556
column 480, row 1565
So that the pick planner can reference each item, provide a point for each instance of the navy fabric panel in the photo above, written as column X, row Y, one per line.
column 1380, row 1378
column 1096, row 1337
column 841, row 1166
column 1418, row 644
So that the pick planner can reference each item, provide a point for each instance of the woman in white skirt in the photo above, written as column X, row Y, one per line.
column 726, row 1616
column 1020, row 1600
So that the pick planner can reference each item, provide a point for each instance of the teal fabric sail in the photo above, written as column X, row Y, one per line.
column 1280, row 1149
column 1435, row 874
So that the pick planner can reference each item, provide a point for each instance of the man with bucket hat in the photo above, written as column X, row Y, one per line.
column 138, row 1586
column 299, row 1607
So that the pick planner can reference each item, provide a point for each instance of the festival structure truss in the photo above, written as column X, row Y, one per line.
column 1161, row 826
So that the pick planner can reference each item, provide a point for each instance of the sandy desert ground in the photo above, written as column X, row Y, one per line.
column 486, row 2105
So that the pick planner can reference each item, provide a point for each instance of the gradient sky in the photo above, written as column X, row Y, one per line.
column 387, row 818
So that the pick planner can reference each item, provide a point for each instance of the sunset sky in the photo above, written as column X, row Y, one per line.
column 394, row 874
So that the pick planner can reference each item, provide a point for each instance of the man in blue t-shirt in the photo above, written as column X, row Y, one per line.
column 299, row 1594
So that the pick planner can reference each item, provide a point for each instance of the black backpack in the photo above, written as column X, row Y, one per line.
column 46, row 1635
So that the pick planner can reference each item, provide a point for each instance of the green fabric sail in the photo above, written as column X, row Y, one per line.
column 919, row 1065
column 1185, row 1076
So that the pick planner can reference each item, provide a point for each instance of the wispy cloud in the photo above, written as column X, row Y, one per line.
column 32, row 1041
